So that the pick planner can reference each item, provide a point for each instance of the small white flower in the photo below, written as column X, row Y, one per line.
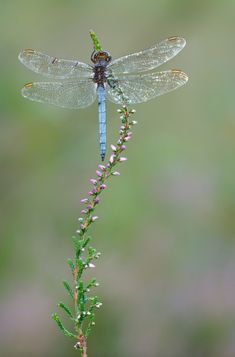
column 98, row 305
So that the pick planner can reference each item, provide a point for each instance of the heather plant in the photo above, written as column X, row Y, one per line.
column 82, row 293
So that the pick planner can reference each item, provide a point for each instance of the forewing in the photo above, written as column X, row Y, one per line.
column 132, row 89
column 75, row 94
column 148, row 59
column 54, row 67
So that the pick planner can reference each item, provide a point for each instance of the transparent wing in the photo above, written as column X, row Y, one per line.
column 131, row 89
column 148, row 59
column 54, row 67
column 76, row 94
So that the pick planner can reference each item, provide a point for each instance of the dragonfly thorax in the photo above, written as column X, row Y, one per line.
column 100, row 59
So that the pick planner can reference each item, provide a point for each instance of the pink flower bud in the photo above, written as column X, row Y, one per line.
column 111, row 159
column 113, row 147
column 94, row 218
column 103, row 186
column 93, row 181
column 98, row 173
column 84, row 200
column 102, row 167
column 122, row 159
column 96, row 200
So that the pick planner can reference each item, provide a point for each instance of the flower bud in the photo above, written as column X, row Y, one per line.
column 84, row 200
column 98, row 173
column 116, row 173
column 102, row 167
column 122, row 159
column 84, row 211
column 111, row 159
column 93, row 181
column 96, row 200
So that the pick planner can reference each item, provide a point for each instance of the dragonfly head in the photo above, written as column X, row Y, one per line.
column 100, row 56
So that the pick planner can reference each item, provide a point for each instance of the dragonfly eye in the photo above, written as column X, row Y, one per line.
column 94, row 55
column 107, row 57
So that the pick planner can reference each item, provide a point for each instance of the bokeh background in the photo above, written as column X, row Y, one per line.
column 167, row 225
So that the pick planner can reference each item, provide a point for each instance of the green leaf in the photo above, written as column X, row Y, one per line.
column 91, row 283
column 68, row 288
column 91, row 251
column 71, row 264
column 77, row 242
column 56, row 318
column 67, row 310
column 86, row 241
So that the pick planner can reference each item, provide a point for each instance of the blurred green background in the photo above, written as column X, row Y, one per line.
column 167, row 225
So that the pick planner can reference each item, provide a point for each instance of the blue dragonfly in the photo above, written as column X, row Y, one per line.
column 127, row 80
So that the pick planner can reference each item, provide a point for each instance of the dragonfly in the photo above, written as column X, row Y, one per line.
column 130, row 79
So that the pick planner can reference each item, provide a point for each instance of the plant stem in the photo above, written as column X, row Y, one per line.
column 99, row 185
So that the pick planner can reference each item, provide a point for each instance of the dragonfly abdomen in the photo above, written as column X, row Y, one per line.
column 102, row 120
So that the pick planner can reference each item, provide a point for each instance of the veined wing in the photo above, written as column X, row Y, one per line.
column 73, row 94
column 148, row 59
column 54, row 67
column 138, row 88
